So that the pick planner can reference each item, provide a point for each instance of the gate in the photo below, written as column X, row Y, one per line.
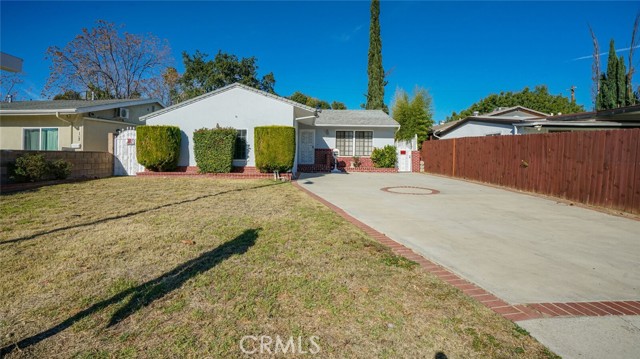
column 124, row 150
column 404, row 149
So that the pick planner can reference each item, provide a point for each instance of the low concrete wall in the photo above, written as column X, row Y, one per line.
column 84, row 164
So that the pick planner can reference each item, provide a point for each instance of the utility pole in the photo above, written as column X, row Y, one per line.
column 573, row 94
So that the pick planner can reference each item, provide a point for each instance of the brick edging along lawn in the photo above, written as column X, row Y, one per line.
column 514, row 313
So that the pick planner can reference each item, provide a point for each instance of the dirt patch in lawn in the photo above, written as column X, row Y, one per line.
column 157, row 267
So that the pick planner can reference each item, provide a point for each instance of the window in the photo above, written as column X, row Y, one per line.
column 43, row 139
column 364, row 143
column 354, row 143
column 344, row 142
column 241, row 146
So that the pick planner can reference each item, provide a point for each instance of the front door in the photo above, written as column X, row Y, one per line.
column 307, row 147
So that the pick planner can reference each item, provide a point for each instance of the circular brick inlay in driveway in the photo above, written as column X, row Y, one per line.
column 420, row 191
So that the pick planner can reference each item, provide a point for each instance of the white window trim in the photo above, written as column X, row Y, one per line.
column 40, row 137
column 246, row 149
column 353, row 144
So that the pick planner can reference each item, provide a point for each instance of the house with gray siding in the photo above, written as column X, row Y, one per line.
column 354, row 133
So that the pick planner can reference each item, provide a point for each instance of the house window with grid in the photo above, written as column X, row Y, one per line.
column 363, row 143
column 344, row 142
column 42, row 139
column 240, row 152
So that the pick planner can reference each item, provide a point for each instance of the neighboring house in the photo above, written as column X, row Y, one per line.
column 354, row 133
column 619, row 118
column 502, row 121
column 68, row 125
column 520, row 120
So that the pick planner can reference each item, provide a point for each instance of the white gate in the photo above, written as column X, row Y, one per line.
column 124, row 150
column 404, row 149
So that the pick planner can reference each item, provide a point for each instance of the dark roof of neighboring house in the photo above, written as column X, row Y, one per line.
column 223, row 89
column 355, row 118
column 68, row 106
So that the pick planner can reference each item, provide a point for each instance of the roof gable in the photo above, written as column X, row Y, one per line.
column 224, row 89
column 515, row 111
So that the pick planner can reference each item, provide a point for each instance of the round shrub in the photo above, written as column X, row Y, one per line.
column 214, row 148
column 30, row 167
column 59, row 169
column 275, row 148
column 384, row 157
column 158, row 147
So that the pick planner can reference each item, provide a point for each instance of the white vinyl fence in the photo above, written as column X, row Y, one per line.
column 124, row 148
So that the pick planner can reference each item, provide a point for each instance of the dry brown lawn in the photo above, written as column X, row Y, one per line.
column 157, row 267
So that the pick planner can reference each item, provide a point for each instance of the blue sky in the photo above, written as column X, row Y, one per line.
column 459, row 51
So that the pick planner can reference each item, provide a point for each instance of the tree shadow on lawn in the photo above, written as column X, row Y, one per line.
column 130, row 214
column 147, row 293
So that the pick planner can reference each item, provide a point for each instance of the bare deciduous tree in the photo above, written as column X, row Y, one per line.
column 8, row 82
column 635, row 39
column 118, row 65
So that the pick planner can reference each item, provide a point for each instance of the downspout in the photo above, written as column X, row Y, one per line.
column 70, row 127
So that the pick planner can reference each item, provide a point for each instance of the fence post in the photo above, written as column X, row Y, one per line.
column 110, row 140
column 453, row 157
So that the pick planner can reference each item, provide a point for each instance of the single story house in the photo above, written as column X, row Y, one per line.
column 618, row 118
column 500, row 122
column 68, row 125
column 353, row 133
column 519, row 120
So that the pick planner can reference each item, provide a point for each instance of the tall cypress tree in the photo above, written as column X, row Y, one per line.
column 608, row 97
column 375, row 71
column 621, row 83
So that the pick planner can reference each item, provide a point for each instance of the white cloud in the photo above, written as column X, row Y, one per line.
column 604, row 53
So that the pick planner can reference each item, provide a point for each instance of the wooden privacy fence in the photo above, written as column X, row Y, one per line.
column 600, row 168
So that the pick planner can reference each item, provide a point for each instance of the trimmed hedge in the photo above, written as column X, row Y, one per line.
column 158, row 147
column 275, row 148
column 214, row 149
column 385, row 157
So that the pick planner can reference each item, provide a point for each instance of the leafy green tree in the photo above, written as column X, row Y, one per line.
column 202, row 75
column 415, row 114
column 539, row 99
column 68, row 95
column 299, row 97
column 335, row 105
column 375, row 71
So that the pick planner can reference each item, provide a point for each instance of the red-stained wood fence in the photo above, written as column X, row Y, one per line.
column 600, row 168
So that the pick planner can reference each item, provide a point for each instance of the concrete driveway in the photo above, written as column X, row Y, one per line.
column 523, row 249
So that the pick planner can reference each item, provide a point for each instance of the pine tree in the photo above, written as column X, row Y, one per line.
column 375, row 71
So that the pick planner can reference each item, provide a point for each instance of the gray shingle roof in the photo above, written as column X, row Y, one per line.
column 69, row 105
column 373, row 118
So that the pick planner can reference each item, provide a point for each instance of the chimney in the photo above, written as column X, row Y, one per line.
column 9, row 98
column 476, row 113
column 93, row 96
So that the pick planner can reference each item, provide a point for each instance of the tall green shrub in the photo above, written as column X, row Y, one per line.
column 275, row 148
column 158, row 147
column 384, row 157
column 214, row 148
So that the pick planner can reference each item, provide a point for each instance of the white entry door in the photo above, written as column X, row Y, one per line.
column 307, row 147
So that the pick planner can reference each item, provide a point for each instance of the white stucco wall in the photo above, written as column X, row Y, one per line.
column 475, row 129
column 236, row 107
column 326, row 136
